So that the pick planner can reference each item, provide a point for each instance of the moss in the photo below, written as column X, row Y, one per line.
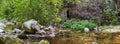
column 12, row 41
column 8, row 40
column 9, row 28
column 29, row 31
column 2, row 40
column 22, row 36
column 43, row 42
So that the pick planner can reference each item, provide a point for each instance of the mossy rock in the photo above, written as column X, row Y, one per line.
column 22, row 36
column 8, row 40
column 44, row 42
column 9, row 28
column 2, row 40
column 29, row 31
column 12, row 41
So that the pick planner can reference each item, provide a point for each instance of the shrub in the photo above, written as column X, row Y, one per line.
column 77, row 24
column 44, row 11
column 110, row 13
column 110, row 16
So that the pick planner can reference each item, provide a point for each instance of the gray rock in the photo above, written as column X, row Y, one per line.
column 93, row 43
column 52, row 35
column 41, row 32
column 86, row 30
column 98, row 29
column 17, row 30
column 32, row 25
column 28, row 24
column 9, row 23
column 52, row 29
column 2, row 26
column 1, row 30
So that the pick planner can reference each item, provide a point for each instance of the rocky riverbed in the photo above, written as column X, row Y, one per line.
column 11, row 34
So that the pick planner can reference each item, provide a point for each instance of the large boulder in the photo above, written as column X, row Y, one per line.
column 28, row 24
column 31, row 26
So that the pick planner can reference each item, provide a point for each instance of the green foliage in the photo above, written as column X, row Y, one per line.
column 57, row 20
column 69, row 1
column 110, row 15
column 44, row 11
column 78, row 25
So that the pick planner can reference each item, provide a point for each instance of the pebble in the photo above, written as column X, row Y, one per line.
column 86, row 30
